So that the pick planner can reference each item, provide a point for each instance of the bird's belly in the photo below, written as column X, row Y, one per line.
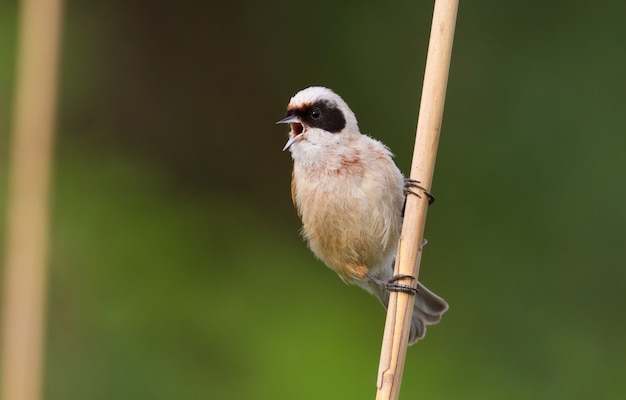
column 350, row 232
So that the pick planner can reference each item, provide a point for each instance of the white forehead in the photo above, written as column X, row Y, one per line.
column 313, row 94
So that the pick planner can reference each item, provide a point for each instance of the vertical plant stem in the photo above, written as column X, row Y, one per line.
column 393, row 353
column 27, row 200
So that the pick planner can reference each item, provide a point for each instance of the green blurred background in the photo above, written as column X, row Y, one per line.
column 177, row 271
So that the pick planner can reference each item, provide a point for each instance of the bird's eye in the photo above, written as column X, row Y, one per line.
column 315, row 114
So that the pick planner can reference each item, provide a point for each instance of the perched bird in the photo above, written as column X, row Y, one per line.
column 350, row 195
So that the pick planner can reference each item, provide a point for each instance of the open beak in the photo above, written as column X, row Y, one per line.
column 290, row 119
column 296, row 128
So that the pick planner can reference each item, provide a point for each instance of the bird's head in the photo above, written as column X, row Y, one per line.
column 318, row 116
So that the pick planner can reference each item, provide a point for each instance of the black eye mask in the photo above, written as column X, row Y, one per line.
column 323, row 114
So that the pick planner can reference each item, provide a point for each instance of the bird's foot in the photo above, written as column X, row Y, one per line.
column 410, row 184
column 391, row 284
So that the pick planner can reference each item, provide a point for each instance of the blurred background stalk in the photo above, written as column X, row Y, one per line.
column 28, row 200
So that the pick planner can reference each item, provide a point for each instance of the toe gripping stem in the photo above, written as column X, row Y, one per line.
column 391, row 284
column 410, row 184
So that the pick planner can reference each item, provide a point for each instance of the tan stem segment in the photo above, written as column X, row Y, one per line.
column 393, row 353
column 24, row 289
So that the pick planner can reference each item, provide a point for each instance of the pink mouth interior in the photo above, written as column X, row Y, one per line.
column 296, row 128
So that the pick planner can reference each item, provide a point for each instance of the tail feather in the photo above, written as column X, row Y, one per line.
column 427, row 309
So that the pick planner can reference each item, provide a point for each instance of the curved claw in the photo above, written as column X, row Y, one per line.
column 391, row 285
column 412, row 183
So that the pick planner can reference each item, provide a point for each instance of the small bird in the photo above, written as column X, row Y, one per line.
column 350, row 195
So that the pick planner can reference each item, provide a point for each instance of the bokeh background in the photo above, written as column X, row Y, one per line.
column 177, row 270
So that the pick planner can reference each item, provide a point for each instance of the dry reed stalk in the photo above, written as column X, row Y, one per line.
column 393, row 352
column 27, row 200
